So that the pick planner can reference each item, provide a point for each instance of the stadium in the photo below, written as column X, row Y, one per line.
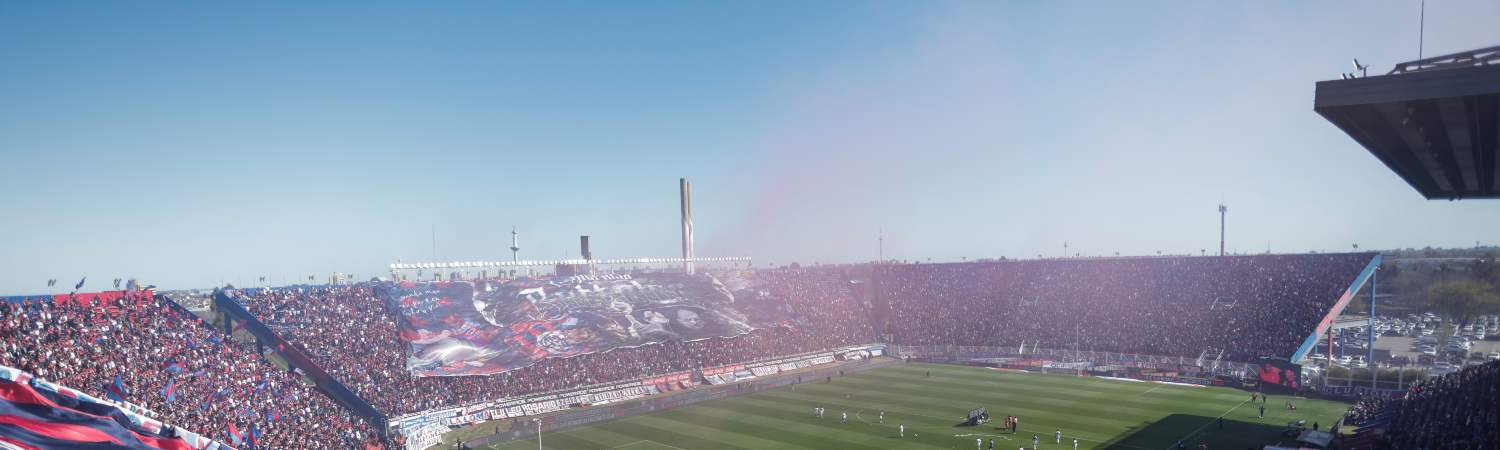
column 1213, row 350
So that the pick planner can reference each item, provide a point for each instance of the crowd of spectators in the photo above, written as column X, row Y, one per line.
column 216, row 384
column 1460, row 410
column 1244, row 306
column 352, row 334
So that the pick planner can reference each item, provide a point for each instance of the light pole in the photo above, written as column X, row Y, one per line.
column 1222, row 210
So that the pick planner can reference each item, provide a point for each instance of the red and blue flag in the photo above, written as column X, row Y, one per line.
column 35, row 414
column 116, row 391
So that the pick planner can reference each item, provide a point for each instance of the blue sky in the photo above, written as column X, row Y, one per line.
column 189, row 144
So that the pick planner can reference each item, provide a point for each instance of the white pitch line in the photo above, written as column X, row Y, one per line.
column 1001, row 436
column 1148, row 391
column 1206, row 424
column 1043, row 432
column 642, row 441
column 666, row 444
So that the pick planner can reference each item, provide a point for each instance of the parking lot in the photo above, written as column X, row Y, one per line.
column 1420, row 341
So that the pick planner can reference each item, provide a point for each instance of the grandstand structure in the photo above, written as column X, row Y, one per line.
column 368, row 348
column 1435, row 122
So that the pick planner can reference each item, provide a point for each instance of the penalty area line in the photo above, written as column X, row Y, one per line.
column 643, row 441
column 1206, row 424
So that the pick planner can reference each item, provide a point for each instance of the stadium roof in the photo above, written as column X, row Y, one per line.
column 1432, row 121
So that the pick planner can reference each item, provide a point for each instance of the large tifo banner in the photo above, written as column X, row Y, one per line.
column 35, row 413
column 477, row 328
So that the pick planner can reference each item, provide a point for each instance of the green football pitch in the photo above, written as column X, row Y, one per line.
column 1099, row 413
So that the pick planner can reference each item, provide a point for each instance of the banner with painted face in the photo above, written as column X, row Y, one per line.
column 484, row 327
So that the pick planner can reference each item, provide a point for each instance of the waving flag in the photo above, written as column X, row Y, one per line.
column 116, row 391
column 38, row 414
column 170, row 392
column 80, row 283
column 234, row 434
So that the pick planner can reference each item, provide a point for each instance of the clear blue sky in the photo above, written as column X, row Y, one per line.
column 188, row 144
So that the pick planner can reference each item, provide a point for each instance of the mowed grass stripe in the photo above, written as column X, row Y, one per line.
column 634, row 428
column 1011, row 403
column 597, row 438
column 825, row 433
column 944, row 415
column 998, row 396
column 1055, row 384
column 718, row 429
column 552, row 440
column 993, row 386
column 1101, row 413
column 613, row 440
column 941, row 417
column 854, row 434
column 1059, row 382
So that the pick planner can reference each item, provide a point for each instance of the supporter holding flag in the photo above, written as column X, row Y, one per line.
column 234, row 435
column 170, row 392
column 116, row 391
column 254, row 435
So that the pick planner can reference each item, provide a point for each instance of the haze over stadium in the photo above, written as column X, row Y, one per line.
column 909, row 225
column 963, row 130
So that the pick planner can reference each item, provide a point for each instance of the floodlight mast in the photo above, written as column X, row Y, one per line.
column 685, row 193
column 1222, row 209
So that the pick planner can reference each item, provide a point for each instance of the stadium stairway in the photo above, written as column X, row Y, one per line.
column 236, row 316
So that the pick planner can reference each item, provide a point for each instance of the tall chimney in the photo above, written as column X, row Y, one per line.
column 686, row 191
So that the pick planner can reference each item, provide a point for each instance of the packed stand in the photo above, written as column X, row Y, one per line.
column 1246, row 306
column 174, row 364
column 353, row 335
column 1460, row 410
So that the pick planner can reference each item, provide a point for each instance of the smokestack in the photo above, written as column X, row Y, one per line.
column 686, row 191
column 583, row 247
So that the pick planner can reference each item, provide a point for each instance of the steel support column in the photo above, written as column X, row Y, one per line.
column 1370, row 362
